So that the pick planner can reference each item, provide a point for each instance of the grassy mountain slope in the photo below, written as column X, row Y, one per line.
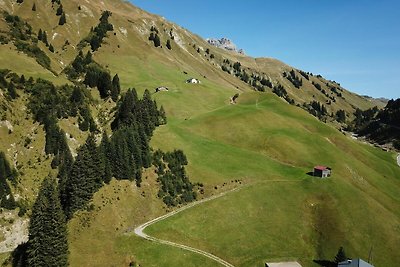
column 279, row 213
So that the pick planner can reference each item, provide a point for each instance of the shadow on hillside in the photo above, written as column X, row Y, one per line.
column 325, row 263
column 310, row 173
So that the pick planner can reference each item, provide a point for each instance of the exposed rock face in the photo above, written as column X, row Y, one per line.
column 225, row 43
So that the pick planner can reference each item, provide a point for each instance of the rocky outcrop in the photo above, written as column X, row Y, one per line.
column 226, row 44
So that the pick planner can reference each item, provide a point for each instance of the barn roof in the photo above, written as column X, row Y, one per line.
column 321, row 168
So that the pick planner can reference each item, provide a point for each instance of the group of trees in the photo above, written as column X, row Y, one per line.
column 98, row 33
column 280, row 91
column 317, row 109
column 101, row 78
column 175, row 187
column 60, row 12
column 48, row 103
column 21, row 34
column 155, row 38
column 381, row 126
column 341, row 116
column 94, row 75
column 293, row 78
column 122, row 156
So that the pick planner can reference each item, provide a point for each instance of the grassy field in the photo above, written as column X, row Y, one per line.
column 283, row 213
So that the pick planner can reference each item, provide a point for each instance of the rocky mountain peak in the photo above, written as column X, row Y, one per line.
column 224, row 43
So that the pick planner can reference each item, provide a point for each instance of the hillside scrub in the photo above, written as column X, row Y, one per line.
column 21, row 34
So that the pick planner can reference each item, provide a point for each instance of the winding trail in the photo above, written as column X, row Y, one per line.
column 139, row 230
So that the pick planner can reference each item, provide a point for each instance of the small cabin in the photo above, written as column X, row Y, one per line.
column 322, row 171
column 192, row 80
column 161, row 88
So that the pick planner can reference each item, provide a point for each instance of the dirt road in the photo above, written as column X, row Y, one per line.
column 139, row 230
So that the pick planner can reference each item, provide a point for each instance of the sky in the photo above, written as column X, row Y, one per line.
column 356, row 43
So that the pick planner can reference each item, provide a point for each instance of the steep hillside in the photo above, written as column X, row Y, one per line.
column 264, row 141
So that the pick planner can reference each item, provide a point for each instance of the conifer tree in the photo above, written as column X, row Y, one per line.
column 169, row 44
column 84, row 179
column 51, row 48
column 34, row 7
column 47, row 245
column 106, row 152
column 11, row 91
column 40, row 35
column 157, row 41
column 88, row 58
column 6, row 172
column 44, row 38
column 59, row 10
column 63, row 19
column 116, row 88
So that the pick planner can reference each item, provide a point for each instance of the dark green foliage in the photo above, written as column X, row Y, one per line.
column 317, row 109
column 59, row 10
column 84, row 179
column 44, row 38
column 280, row 91
column 317, row 85
column 169, row 44
column 208, row 51
column 157, row 41
column 154, row 29
column 340, row 256
column 116, row 88
column 79, row 65
column 245, row 77
column 293, row 78
column 19, row 256
column 6, row 173
column 11, row 91
column 21, row 34
column 96, row 36
column 34, row 7
column 63, row 19
column 175, row 187
column 47, row 245
column 40, row 35
column 48, row 103
column 304, row 74
column 97, row 77
column 20, row 1
column 237, row 66
column 51, row 48
column 224, row 68
column 382, row 126
column 151, row 37
column 266, row 82
column 34, row 51
column 341, row 116
column 107, row 155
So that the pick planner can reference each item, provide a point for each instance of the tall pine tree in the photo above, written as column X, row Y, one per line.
column 116, row 88
column 48, row 244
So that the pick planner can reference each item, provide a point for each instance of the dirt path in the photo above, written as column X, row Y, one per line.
column 398, row 159
column 139, row 230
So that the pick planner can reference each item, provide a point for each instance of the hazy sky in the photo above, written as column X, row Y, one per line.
column 356, row 43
